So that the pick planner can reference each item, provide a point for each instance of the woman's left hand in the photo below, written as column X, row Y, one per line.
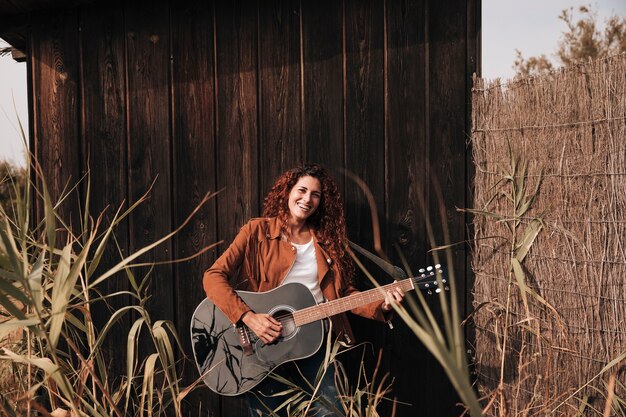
column 393, row 296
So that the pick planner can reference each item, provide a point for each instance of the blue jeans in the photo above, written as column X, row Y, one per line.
column 261, row 399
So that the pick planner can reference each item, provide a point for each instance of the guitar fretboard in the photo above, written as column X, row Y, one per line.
column 331, row 308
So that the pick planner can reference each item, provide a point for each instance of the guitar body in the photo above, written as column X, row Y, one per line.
column 223, row 362
column 232, row 360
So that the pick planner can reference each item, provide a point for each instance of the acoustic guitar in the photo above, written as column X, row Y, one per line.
column 232, row 360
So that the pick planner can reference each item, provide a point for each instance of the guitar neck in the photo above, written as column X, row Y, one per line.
column 341, row 305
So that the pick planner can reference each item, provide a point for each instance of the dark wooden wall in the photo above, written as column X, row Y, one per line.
column 203, row 95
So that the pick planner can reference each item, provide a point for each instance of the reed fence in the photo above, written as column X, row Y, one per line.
column 550, row 240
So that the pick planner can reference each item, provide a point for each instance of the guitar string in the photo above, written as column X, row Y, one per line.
column 285, row 318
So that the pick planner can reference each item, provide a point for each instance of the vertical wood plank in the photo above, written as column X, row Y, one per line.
column 279, row 104
column 365, row 146
column 407, row 144
column 447, row 150
column 407, row 180
column 147, row 45
column 364, row 114
column 193, row 171
column 237, row 135
column 473, row 66
column 322, row 49
column 447, row 119
column 104, row 133
column 55, row 85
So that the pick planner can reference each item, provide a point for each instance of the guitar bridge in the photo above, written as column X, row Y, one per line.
column 244, row 339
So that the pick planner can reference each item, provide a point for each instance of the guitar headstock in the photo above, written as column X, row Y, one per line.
column 427, row 280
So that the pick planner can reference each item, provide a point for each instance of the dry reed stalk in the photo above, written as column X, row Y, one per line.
column 572, row 125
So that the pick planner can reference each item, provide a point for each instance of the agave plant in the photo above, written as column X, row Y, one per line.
column 48, row 290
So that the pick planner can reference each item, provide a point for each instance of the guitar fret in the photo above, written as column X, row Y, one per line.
column 331, row 308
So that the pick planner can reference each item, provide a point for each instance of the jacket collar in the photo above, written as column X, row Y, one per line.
column 273, row 228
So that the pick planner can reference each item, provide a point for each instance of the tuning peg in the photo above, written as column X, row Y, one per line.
column 437, row 266
column 438, row 290
column 421, row 270
column 429, row 268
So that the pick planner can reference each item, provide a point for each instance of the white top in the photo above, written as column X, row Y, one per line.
column 304, row 269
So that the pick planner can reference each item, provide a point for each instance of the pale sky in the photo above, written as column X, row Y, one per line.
column 12, row 86
column 531, row 26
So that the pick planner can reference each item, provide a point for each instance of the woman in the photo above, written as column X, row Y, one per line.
column 301, row 238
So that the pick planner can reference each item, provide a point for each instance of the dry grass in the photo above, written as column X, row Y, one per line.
column 9, row 382
column 540, row 340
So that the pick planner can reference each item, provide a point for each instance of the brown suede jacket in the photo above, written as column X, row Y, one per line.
column 259, row 259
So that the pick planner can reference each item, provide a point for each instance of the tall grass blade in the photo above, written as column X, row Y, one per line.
column 49, row 215
column 35, row 281
column 13, row 324
column 166, row 356
column 126, row 261
column 61, row 298
column 131, row 344
column 111, row 322
column 621, row 357
column 520, row 279
column 530, row 234
column 51, row 370
column 104, row 241
column 8, row 294
column 58, row 288
column 10, row 247
column 147, row 386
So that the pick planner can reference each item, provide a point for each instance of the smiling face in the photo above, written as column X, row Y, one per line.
column 304, row 198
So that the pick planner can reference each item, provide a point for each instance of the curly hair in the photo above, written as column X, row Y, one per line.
column 328, row 221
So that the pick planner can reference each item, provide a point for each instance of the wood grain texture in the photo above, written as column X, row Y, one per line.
column 365, row 147
column 147, row 48
column 194, row 169
column 230, row 94
column 473, row 66
column 56, row 136
column 364, row 114
column 103, row 114
column 407, row 143
column 447, row 154
column 407, row 180
column 280, row 86
column 447, row 120
column 237, row 150
column 237, row 124
column 322, row 51
column 12, row 7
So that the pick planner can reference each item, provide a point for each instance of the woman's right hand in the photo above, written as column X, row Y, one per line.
column 266, row 327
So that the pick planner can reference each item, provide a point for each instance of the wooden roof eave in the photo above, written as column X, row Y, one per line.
column 14, row 30
column 15, row 18
column 14, row 8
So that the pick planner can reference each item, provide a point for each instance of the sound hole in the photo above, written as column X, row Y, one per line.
column 284, row 315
